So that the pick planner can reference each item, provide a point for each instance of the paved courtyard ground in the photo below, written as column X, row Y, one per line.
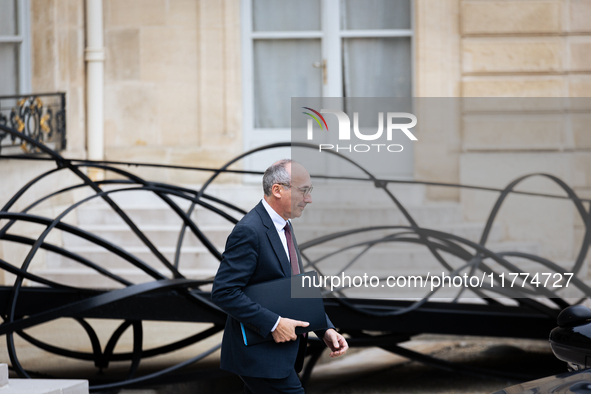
column 361, row 371
column 372, row 371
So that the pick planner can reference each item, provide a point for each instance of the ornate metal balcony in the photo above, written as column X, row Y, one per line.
column 41, row 117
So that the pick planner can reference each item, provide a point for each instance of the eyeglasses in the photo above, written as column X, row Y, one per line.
column 305, row 190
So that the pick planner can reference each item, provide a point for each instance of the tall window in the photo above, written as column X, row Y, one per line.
column 14, row 47
column 320, row 48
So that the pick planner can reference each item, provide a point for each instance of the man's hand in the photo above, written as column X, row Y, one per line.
column 336, row 342
column 285, row 330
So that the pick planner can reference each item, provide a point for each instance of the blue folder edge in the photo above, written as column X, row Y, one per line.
column 243, row 334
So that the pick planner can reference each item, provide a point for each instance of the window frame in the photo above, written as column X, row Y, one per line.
column 331, row 37
column 23, row 41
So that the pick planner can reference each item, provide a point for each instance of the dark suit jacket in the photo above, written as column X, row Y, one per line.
column 254, row 253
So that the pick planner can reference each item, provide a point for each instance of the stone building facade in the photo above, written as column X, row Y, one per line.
column 174, row 93
column 173, row 72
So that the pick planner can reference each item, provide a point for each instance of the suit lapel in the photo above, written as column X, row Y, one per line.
column 279, row 250
column 274, row 239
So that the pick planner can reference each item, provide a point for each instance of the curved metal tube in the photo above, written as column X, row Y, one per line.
column 474, row 256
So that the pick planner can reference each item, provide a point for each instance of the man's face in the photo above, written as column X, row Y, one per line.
column 300, row 183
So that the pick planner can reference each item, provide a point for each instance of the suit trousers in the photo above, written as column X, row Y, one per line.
column 289, row 385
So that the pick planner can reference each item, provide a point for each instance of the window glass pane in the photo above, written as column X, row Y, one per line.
column 377, row 67
column 8, row 65
column 375, row 14
column 286, row 15
column 8, row 18
column 284, row 69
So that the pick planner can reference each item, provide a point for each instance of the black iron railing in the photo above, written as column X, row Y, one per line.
column 170, row 296
column 41, row 117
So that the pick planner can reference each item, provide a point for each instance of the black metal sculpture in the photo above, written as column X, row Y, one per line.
column 173, row 297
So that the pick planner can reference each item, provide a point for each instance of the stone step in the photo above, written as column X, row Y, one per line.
column 403, row 259
column 469, row 231
column 400, row 259
column 247, row 194
column 102, row 214
column 167, row 235
column 160, row 236
column 232, row 193
column 364, row 193
column 371, row 215
column 87, row 278
column 196, row 257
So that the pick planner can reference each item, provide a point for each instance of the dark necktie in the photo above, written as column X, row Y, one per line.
column 293, row 256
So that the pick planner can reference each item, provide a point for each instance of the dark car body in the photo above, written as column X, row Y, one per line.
column 577, row 382
column 571, row 342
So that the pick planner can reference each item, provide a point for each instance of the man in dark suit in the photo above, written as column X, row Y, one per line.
column 259, row 249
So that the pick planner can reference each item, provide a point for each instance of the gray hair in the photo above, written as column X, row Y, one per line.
column 276, row 174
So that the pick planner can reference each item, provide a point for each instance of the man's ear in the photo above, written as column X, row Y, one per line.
column 276, row 190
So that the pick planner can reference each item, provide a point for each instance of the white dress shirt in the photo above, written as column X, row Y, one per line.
column 279, row 223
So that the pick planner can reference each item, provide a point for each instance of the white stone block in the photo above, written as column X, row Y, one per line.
column 40, row 386
column 513, row 17
column 512, row 54
column 514, row 132
column 3, row 375
column 516, row 86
